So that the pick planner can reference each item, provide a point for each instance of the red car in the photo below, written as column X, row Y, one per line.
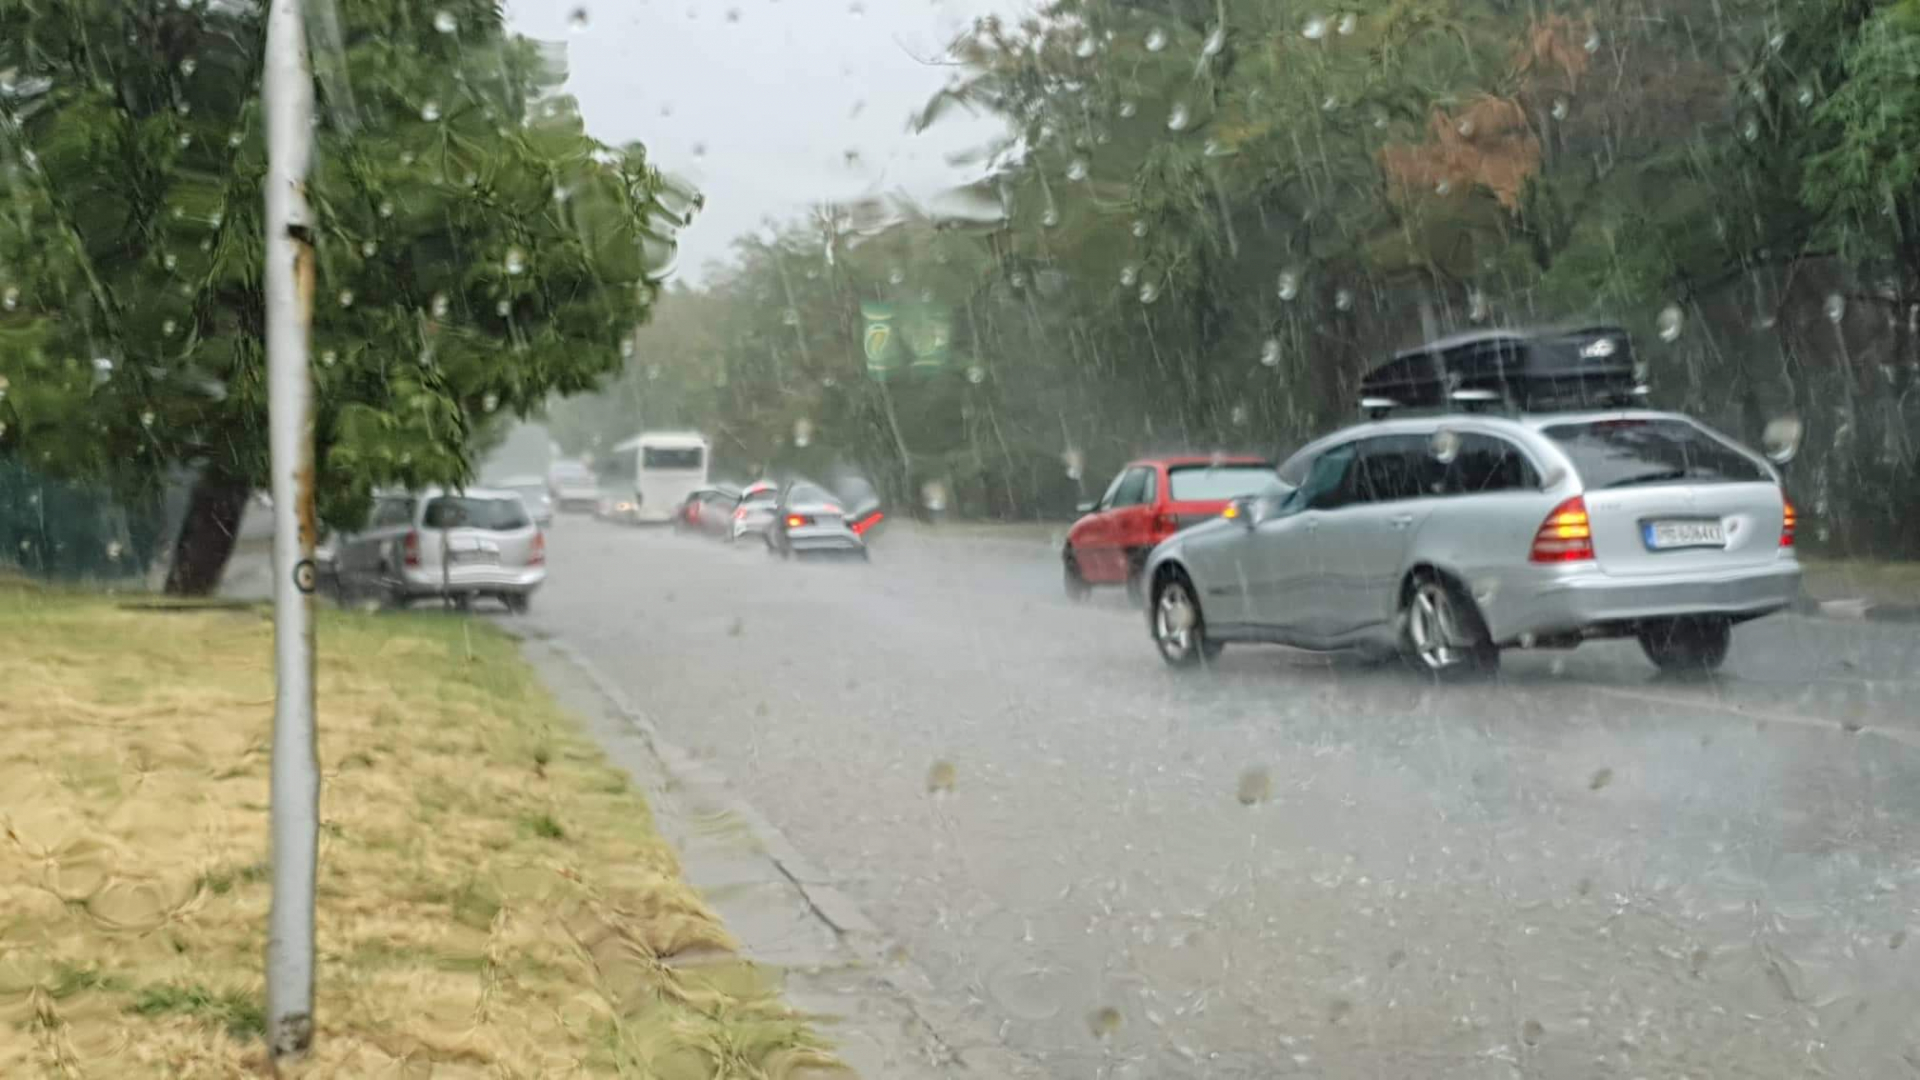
column 1149, row 501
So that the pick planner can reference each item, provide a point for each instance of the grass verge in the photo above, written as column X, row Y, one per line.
column 1886, row 582
column 493, row 900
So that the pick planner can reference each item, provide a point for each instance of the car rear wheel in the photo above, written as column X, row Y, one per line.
column 1179, row 629
column 1687, row 645
column 1443, row 634
column 517, row 603
column 1077, row 587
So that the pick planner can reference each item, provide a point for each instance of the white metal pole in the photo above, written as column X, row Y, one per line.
column 288, row 96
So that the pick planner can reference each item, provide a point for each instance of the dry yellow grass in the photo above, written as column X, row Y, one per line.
column 493, row 898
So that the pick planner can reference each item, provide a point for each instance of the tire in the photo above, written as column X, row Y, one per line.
column 517, row 603
column 1442, row 634
column 1077, row 588
column 1691, row 646
column 1182, row 646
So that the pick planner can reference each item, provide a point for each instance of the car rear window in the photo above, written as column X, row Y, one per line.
column 465, row 512
column 666, row 457
column 1628, row 452
column 1193, row 483
column 806, row 494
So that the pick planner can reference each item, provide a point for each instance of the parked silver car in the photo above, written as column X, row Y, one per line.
column 1451, row 537
column 452, row 545
column 534, row 493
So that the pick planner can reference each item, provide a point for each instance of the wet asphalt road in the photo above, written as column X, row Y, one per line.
column 1291, row 865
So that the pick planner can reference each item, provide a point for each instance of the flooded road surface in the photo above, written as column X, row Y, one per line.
column 1291, row 866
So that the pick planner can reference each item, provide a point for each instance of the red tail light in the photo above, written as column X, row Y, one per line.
column 410, row 548
column 539, row 556
column 1165, row 524
column 740, row 514
column 1566, row 535
column 1789, row 520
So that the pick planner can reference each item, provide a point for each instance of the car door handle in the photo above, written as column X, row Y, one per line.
column 1400, row 521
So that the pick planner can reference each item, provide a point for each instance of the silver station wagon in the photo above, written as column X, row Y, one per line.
column 1449, row 537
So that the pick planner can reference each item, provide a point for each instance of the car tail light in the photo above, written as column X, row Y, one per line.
column 539, row 555
column 410, row 548
column 1566, row 535
column 740, row 514
column 795, row 521
column 1789, row 520
column 860, row 527
column 1165, row 524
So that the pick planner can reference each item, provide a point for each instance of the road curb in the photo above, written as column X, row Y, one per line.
column 948, row 1041
column 1859, row 609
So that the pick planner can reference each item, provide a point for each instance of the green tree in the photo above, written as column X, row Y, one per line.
column 478, row 252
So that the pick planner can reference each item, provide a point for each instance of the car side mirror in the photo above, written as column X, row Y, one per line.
column 1241, row 510
column 1087, row 507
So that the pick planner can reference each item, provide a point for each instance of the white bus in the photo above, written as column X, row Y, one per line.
column 667, row 467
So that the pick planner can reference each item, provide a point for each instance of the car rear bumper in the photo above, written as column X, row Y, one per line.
column 474, row 579
column 1554, row 602
column 843, row 541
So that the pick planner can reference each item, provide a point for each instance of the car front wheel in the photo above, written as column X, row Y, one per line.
column 1077, row 587
column 1687, row 645
column 1179, row 629
column 1443, row 634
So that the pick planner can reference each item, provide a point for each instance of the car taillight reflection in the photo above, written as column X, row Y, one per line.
column 860, row 527
column 798, row 521
column 539, row 555
column 1789, row 521
column 1566, row 535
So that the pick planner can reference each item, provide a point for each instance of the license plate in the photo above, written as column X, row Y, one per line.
column 471, row 558
column 1666, row 535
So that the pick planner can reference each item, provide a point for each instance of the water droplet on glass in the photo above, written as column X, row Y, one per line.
column 1104, row 1022
column 146, row 418
column 1289, row 284
column 1836, row 307
column 897, row 276
column 184, row 140
column 1156, row 39
column 1017, row 279
column 346, row 298
column 976, row 374
column 1129, row 274
column 1149, row 291
column 502, row 308
column 1315, row 29
column 1465, row 128
column 1214, row 148
column 1444, row 187
column 1805, row 96
column 577, row 21
column 1050, row 218
column 516, row 261
column 1128, row 108
column 1477, row 306
column 189, row 66
column 940, row 778
column 1077, row 169
column 1177, row 118
column 1560, row 108
column 790, row 317
column 11, row 298
column 430, row 111
column 386, row 209
column 1601, row 778
column 1444, row 446
column 1330, row 104
column 102, row 366
column 1255, row 786
column 1671, row 321
column 1777, row 42
column 1348, row 24
column 167, row 327
column 1781, row 439
column 439, row 305
column 368, row 248
column 1139, row 229
column 1343, row 299
column 1270, row 353
column 1593, row 42
column 1216, row 40
column 1086, row 48
column 444, row 21
column 1750, row 129
column 490, row 402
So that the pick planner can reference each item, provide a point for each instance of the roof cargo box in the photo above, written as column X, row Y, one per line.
column 1532, row 370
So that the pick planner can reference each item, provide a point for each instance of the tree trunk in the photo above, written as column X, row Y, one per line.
column 207, row 535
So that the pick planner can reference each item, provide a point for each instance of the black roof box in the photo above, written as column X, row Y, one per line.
column 1532, row 370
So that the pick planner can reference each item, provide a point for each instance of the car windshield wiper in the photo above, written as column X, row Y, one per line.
column 1661, row 477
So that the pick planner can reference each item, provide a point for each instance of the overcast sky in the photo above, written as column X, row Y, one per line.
column 760, row 103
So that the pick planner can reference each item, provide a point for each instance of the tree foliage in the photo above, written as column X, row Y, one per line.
column 478, row 251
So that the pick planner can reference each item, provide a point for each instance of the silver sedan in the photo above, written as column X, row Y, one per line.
column 1449, row 538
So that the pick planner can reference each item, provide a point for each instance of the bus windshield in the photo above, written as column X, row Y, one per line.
column 671, row 457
